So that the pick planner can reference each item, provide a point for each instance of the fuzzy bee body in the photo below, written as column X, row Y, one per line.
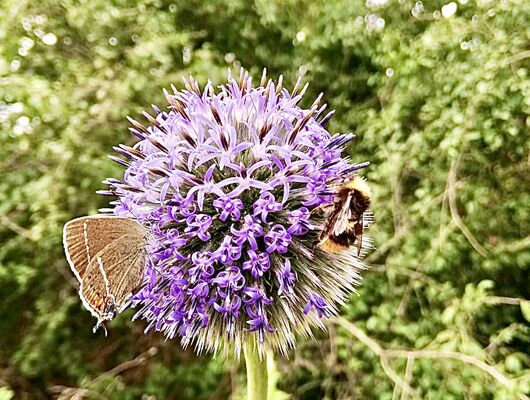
column 345, row 217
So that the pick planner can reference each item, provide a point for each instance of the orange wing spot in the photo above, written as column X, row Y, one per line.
column 94, row 299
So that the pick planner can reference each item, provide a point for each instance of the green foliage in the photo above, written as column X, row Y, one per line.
column 440, row 107
column 6, row 394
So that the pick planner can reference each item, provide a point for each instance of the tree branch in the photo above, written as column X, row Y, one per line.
column 379, row 351
column 385, row 354
column 79, row 393
column 451, row 194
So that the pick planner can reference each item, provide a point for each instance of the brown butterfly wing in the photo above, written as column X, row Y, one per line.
column 84, row 237
column 94, row 291
column 126, row 275
column 112, row 274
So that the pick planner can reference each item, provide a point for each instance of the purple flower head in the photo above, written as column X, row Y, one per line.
column 257, row 264
column 286, row 279
column 254, row 296
column 228, row 251
column 277, row 239
column 198, row 226
column 265, row 205
column 231, row 279
column 299, row 220
column 228, row 207
column 203, row 266
column 248, row 233
column 235, row 186
column 317, row 303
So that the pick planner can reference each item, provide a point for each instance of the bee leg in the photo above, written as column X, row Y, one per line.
column 322, row 208
column 359, row 234
column 316, row 210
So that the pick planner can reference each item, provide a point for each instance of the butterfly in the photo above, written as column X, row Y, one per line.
column 107, row 255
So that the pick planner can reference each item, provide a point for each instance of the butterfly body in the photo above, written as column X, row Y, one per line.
column 107, row 255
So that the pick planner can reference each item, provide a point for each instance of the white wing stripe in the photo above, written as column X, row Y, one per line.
column 104, row 275
column 85, row 233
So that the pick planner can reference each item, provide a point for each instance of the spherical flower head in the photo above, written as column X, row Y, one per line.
column 229, row 183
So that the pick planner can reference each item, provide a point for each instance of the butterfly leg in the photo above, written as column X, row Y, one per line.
column 102, row 324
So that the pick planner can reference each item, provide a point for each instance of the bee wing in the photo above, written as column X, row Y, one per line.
column 342, row 217
column 337, row 219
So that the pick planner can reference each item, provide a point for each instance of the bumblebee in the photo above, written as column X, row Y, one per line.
column 345, row 217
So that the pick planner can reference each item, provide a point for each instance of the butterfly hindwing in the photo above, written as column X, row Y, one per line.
column 112, row 274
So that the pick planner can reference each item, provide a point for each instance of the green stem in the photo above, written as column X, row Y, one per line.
column 257, row 380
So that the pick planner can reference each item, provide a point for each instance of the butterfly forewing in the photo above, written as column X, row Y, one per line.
column 84, row 237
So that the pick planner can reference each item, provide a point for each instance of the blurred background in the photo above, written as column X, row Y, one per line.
column 438, row 94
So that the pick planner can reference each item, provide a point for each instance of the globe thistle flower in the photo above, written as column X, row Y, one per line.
column 229, row 182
